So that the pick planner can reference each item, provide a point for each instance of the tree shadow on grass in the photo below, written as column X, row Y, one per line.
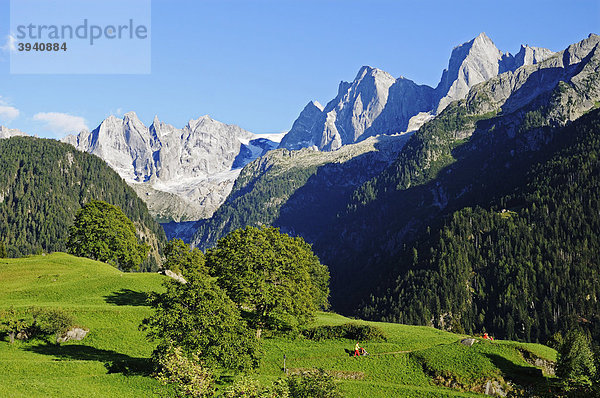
column 113, row 361
column 127, row 297
column 522, row 375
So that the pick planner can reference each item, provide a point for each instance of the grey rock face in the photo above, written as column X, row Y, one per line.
column 477, row 61
column 301, row 134
column 5, row 132
column 376, row 103
column 575, row 69
column 349, row 115
column 470, row 63
column 182, row 174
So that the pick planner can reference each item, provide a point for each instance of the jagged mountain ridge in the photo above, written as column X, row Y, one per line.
column 377, row 103
column 182, row 174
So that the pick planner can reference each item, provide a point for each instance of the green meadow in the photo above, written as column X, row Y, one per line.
column 113, row 360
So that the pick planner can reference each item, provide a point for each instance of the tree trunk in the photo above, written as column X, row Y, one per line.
column 258, row 333
column 12, row 336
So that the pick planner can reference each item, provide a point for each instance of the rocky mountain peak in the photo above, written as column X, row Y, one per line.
column 575, row 53
column 301, row 134
column 470, row 63
column 531, row 55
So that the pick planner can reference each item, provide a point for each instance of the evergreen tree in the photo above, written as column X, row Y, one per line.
column 523, row 266
column 576, row 358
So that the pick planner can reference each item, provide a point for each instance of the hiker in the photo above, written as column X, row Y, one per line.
column 485, row 336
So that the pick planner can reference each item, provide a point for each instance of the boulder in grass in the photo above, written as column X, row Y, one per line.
column 468, row 342
column 72, row 334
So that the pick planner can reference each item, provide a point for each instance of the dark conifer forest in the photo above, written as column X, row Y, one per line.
column 44, row 182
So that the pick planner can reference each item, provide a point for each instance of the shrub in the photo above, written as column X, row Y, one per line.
column 351, row 331
column 50, row 321
column 317, row 384
column 250, row 388
column 187, row 375
column 12, row 323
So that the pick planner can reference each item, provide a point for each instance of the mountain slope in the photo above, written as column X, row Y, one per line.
column 376, row 103
column 299, row 191
column 474, row 149
column 42, row 185
column 525, row 265
column 182, row 174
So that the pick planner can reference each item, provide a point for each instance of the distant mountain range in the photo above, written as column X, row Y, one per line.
column 389, row 175
column 181, row 174
column 186, row 174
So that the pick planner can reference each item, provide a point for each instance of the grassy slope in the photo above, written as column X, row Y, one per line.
column 110, row 304
column 94, row 292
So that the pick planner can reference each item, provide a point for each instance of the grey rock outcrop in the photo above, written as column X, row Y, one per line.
column 182, row 174
column 75, row 333
column 178, row 277
column 376, row 103
column 301, row 135
column 5, row 132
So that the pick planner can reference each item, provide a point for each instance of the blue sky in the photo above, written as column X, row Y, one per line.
column 257, row 63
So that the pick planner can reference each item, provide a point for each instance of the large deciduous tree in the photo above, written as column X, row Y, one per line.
column 198, row 317
column 273, row 277
column 103, row 232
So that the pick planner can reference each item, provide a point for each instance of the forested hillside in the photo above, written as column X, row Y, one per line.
column 44, row 182
column 475, row 151
column 523, row 267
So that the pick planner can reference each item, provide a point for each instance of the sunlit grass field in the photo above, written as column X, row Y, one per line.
column 113, row 360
